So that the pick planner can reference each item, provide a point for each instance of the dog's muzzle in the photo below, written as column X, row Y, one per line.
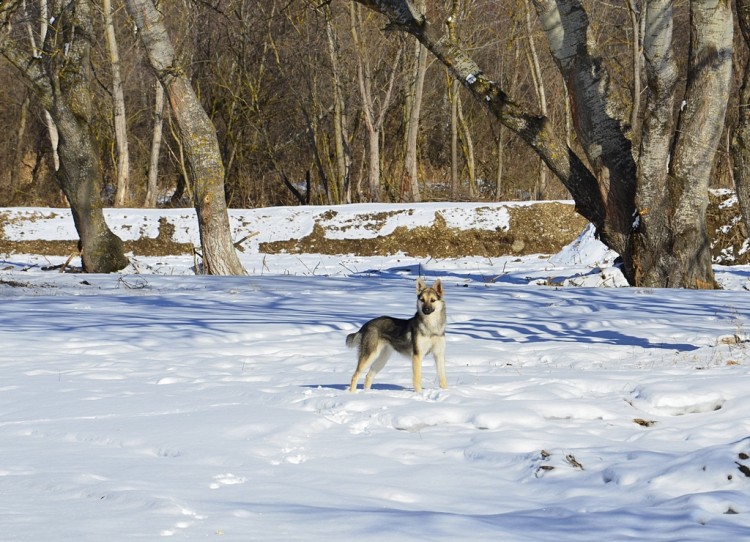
column 427, row 310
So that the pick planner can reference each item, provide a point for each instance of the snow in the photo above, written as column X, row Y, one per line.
column 159, row 404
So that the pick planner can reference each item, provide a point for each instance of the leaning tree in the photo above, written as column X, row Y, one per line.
column 198, row 137
column 53, row 58
column 648, row 204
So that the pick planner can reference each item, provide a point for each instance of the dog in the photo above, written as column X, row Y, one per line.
column 416, row 337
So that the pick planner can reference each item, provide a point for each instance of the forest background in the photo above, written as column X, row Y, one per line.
column 283, row 81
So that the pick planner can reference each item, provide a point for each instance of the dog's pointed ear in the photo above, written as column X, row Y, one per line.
column 421, row 286
column 438, row 287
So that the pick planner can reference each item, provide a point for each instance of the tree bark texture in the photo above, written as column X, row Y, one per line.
column 122, row 182
column 413, row 115
column 651, row 220
column 199, row 142
column 152, row 186
column 698, row 134
column 343, row 157
column 60, row 78
column 740, row 147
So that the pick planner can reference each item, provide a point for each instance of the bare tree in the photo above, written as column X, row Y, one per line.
column 413, row 107
column 374, row 116
column 541, row 93
column 198, row 137
column 653, row 215
column 343, row 155
column 122, row 182
column 740, row 147
column 153, row 163
column 60, row 79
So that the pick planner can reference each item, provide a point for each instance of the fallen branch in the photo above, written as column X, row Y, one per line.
column 237, row 244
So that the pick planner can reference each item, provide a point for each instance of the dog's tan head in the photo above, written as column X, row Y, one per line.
column 429, row 298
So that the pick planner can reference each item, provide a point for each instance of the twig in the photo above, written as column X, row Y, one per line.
column 238, row 244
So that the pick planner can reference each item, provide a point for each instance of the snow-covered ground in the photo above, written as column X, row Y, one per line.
column 157, row 403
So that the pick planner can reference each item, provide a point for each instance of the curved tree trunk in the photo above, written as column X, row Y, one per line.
column 533, row 129
column 61, row 82
column 654, row 217
column 198, row 137
column 601, row 134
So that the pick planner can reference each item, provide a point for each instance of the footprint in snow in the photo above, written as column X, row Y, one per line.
column 226, row 479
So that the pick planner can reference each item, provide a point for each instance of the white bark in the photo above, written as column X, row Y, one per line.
column 198, row 137
column 414, row 113
column 122, row 180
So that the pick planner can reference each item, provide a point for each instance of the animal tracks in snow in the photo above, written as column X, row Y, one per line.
column 227, row 479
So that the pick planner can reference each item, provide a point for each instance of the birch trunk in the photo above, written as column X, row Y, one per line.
column 599, row 131
column 698, row 135
column 414, row 113
column 198, row 137
column 122, row 181
column 651, row 222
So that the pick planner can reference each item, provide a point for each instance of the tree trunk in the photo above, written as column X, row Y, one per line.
column 198, row 137
column 651, row 222
column 535, row 130
column 414, row 113
column 343, row 158
column 670, row 243
column 636, row 25
column 601, row 134
column 697, row 139
column 453, row 88
column 15, row 169
column 535, row 69
column 467, row 146
column 61, row 82
column 122, row 181
column 740, row 148
column 152, row 187
column 678, row 253
column 373, row 119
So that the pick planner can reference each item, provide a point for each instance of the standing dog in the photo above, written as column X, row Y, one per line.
column 416, row 337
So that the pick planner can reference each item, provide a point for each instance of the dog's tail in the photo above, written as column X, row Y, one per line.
column 353, row 339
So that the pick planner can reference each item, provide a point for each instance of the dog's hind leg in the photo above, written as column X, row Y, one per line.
column 366, row 358
column 377, row 365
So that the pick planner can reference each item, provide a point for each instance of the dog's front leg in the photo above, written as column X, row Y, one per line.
column 438, row 352
column 416, row 370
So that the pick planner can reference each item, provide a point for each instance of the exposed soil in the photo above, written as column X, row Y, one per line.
column 162, row 245
column 542, row 228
